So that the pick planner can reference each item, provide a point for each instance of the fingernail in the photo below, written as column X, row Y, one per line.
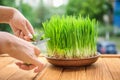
column 30, row 35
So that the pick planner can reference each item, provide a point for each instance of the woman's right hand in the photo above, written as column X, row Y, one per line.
column 21, row 50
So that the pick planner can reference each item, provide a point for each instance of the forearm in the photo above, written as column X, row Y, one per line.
column 6, row 14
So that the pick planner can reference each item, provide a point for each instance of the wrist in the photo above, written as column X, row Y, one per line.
column 6, row 14
column 13, row 12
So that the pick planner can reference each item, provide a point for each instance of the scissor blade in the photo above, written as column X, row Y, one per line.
column 42, row 41
column 39, row 36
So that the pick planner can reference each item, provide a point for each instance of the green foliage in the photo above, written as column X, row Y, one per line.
column 8, row 3
column 34, row 37
column 6, row 27
column 94, row 8
column 70, row 37
column 28, row 12
column 42, row 13
column 102, row 29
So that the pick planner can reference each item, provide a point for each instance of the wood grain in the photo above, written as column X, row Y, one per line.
column 110, row 55
column 22, row 75
column 107, row 67
column 50, row 73
column 7, row 71
column 69, row 74
column 113, row 65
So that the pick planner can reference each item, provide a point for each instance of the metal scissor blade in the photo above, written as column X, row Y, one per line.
column 39, row 36
column 42, row 41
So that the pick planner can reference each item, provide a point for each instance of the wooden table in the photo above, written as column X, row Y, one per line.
column 106, row 68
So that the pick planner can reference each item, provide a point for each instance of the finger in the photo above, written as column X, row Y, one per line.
column 17, row 33
column 30, row 28
column 13, row 28
column 37, row 51
column 28, row 37
column 39, row 68
column 26, row 32
column 39, row 64
column 31, row 67
column 21, row 35
column 18, row 63
column 25, row 67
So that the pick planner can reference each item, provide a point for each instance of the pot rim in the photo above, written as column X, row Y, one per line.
column 91, row 57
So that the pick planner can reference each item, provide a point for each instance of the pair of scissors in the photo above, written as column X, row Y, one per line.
column 38, row 39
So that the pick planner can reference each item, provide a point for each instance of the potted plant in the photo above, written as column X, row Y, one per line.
column 72, row 40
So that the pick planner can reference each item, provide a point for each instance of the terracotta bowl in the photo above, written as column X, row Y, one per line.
column 73, row 62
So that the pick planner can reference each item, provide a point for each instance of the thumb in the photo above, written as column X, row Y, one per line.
column 40, row 65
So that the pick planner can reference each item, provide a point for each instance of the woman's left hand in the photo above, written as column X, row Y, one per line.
column 21, row 26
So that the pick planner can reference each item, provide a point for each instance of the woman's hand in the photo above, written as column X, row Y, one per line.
column 21, row 26
column 21, row 50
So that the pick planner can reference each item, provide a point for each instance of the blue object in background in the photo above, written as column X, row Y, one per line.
column 116, row 20
column 106, row 47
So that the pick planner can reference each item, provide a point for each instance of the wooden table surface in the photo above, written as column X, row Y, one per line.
column 107, row 67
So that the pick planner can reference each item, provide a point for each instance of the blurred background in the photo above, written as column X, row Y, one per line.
column 106, row 12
